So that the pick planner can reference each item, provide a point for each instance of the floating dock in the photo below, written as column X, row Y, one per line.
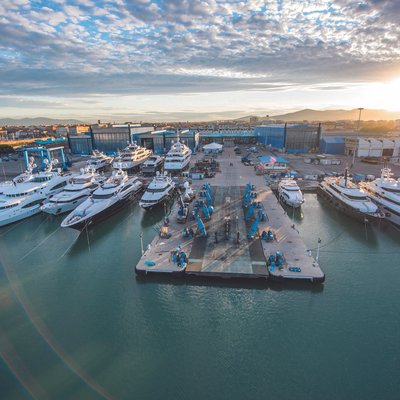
column 229, row 244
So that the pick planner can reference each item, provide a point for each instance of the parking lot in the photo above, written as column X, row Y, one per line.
column 296, row 162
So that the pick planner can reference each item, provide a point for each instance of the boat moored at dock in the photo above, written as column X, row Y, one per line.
column 152, row 164
column 160, row 189
column 385, row 193
column 348, row 198
column 24, row 197
column 109, row 198
column 82, row 185
column 290, row 193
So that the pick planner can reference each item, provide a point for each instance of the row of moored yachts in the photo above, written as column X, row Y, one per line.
column 367, row 201
column 88, row 196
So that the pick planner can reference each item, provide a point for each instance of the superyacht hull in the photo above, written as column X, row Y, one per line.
column 104, row 213
column 19, row 215
column 58, row 209
column 346, row 209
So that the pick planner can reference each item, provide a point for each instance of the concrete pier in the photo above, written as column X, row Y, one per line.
column 220, row 253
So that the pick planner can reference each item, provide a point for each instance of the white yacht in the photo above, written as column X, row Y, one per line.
column 178, row 157
column 99, row 161
column 109, row 198
column 23, row 198
column 160, row 189
column 152, row 164
column 290, row 193
column 81, row 187
column 131, row 157
column 347, row 197
column 385, row 192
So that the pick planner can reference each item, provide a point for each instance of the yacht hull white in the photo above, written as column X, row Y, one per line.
column 345, row 208
column 117, row 191
column 290, row 194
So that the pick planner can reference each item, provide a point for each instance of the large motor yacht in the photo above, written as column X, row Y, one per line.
column 25, row 195
column 160, row 189
column 152, row 164
column 99, row 161
column 81, row 187
column 290, row 193
column 385, row 192
column 347, row 197
column 117, row 191
column 131, row 157
column 178, row 158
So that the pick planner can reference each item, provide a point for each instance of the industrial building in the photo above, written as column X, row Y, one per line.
column 296, row 138
column 332, row 145
column 372, row 146
column 228, row 137
column 112, row 138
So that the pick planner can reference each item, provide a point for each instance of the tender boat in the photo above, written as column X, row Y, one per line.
column 347, row 197
column 81, row 187
column 152, row 164
column 290, row 193
column 24, row 197
column 109, row 198
column 385, row 192
column 131, row 157
column 178, row 157
column 99, row 161
column 160, row 189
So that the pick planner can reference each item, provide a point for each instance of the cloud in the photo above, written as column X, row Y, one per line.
column 102, row 47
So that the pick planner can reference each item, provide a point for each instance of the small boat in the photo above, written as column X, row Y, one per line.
column 290, row 193
column 131, row 157
column 348, row 198
column 82, row 185
column 385, row 193
column 99, row 161
column 108, row 199
column 160, row 189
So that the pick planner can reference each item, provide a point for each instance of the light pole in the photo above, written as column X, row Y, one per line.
column 319, row 243
column 141, row 241
column 359, row 118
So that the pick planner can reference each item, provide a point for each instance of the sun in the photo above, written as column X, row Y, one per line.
column 385, row 95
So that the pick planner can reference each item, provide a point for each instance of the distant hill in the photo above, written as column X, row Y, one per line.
column 337, row 115
column 38, row 121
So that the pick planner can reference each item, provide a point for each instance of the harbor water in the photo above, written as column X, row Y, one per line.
column 76, row 323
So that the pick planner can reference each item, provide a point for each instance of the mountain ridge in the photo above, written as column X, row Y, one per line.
column 38, row 121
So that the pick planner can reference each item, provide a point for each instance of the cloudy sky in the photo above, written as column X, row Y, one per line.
column 196, row 59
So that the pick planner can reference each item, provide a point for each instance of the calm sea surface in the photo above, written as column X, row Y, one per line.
column 75, row 323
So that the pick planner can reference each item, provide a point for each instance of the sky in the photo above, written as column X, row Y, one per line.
column 169, row 60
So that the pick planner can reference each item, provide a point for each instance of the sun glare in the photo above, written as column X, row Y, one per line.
column 384, row 95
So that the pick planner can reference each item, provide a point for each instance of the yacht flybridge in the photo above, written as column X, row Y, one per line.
column 81, row 187
column 25, row 195
column 290, row 193
column 347, row 197
column 160, row 189
column 178, row 157
column 99, row 161
column 109, row 198
column 131, row 157
column 385, row 192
